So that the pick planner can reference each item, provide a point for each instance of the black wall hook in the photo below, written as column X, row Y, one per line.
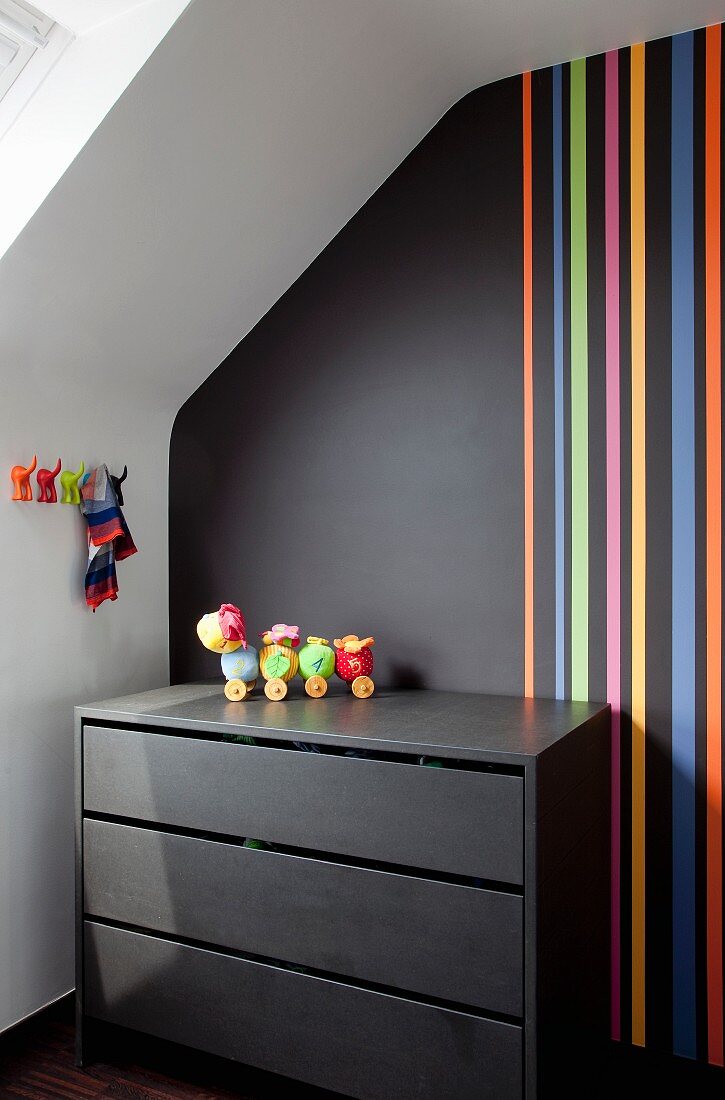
column 117, row 484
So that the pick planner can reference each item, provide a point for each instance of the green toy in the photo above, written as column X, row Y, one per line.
column 317, row 664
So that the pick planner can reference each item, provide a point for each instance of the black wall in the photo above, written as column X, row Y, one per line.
column 356, row 463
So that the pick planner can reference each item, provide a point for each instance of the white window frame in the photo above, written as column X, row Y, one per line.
column 31, row 64
column 23, row 53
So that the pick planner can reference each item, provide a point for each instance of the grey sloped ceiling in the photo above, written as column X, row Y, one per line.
column 250, row 137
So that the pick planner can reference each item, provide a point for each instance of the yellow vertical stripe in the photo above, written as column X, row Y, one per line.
column 639, row 538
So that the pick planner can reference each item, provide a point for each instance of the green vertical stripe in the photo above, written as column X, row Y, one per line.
column 579, row 389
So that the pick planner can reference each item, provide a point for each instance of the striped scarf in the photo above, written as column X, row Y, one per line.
column 109, row 539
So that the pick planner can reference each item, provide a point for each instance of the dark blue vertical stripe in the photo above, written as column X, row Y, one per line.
column 683, row 553
column 558, row 381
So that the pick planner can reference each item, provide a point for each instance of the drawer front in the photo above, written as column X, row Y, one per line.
column 457, row 943
column 364, row 1044
column 455, row 821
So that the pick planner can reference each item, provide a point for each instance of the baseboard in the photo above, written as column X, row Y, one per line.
column 49, row 1006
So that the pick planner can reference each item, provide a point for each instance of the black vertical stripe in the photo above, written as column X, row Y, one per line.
column 658, row 757
column 597, row 381
column 625, row 298
column 543, row 325
column 700, row 588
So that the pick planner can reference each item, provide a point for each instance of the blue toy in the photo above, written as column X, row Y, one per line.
column 242, row 664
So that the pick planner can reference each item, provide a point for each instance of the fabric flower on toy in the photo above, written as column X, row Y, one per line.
column 231, row 623
column 352, row 644
column 281, row 634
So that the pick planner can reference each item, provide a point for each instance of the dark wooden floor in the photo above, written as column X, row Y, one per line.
column 36, row 1063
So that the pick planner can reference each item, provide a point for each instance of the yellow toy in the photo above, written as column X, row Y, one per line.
column 224, row 632
column 278, row 661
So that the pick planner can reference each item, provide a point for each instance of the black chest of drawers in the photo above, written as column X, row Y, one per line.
column 423, row 915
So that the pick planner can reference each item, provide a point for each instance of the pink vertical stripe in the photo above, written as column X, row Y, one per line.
column 611, row 230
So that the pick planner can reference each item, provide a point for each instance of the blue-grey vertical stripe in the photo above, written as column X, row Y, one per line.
column 558, row 380
column 683, row 553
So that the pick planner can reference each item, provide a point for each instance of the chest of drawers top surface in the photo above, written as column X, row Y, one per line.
column 489, row 728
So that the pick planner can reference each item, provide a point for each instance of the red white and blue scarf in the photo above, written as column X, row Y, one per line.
column 109, row 539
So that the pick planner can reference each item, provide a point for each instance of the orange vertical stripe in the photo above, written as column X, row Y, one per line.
column 713, row 568
column 639, row 534
column 528, row 402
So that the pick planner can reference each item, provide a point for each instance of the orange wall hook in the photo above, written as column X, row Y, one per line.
column 20, row 477
column 46, row 484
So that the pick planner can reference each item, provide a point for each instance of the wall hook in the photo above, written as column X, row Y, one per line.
column 46, row 484
column 69, row 484
column 20, row 477
column 116, row 482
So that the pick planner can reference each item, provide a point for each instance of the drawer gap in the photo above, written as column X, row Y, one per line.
column 312, row 972
column 310, row 853
column 451, row 763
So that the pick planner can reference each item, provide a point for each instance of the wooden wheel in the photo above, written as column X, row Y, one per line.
column 235, row 690
column 316, row 686
column 275, row 689
column 363, row 687
column 251, row 685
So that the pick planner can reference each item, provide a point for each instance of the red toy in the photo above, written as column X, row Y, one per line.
column 46, row 484
column 354, row 663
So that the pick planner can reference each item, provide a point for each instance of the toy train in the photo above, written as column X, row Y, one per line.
column 279, row 661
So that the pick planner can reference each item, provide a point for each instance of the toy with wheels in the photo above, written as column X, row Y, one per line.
column 278, row 661
column 317, row 664
column 224, row 632
column 354, row 663
column 241, row 669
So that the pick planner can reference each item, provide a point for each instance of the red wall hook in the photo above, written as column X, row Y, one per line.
column 46, row 484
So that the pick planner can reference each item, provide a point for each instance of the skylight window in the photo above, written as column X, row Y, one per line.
column 30, row 44
column 8, row 52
